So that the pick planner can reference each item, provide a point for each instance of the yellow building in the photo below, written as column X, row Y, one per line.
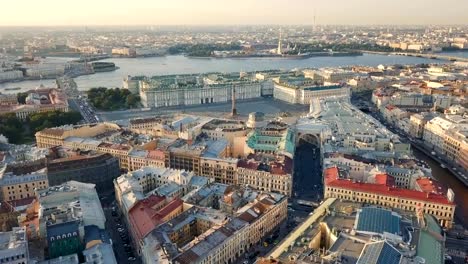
column 264, row 215
column 455, row 145
column 440, row 206
column 51, row 137
column 16, row 187
column 221, row 170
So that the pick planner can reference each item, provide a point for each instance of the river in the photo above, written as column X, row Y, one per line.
column 460, row 54
column 444, row 176
column 181, row 64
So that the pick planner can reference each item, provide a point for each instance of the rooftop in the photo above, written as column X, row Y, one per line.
column 332, row 179
column 14, row 239
column 148, row 213
column 280, row 165
column 377, row 220
column 391, row 191
column 379, row 252
column 69, row 259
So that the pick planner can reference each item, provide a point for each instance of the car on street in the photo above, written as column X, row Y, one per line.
column 131, row 258
column 120, row 229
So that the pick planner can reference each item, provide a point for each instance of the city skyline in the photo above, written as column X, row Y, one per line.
column 243, row 12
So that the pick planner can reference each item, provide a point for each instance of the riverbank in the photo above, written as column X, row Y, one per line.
column 444, row 175
column 447, row 178
column 432, row 56
column 287, row 56
column 456, row 172
column 184, row 65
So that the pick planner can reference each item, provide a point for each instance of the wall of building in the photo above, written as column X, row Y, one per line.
column 443, row 212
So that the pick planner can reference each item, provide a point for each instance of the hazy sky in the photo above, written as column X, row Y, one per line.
column 222, row 12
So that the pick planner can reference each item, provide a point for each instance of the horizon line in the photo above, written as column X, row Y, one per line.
column 222, row 25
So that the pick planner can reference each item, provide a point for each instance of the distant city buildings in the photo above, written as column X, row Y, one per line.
column 212, row 190
column 38, row 101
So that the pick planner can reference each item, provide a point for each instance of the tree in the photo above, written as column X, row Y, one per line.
column 22, row 97
column 132, row 100
column 112, row 99
column 11, row 127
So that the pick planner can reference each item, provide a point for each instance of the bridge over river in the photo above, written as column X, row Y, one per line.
column 434, row 56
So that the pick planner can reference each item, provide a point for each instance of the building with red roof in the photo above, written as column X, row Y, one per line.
column 384, row 179
column 430, row 186
column 151, row 212
column 383, row 193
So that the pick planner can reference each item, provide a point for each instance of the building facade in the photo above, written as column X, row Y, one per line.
column 15, row 250
column 436, row 204
column 16, row 187
column 99, row 169
column 273, row 177
column 303, row 94
column 166, row 91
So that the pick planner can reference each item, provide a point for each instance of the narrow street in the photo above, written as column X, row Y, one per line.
column 121, row 253
column 308, row 183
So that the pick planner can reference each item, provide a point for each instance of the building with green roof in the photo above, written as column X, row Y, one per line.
column 431, row 241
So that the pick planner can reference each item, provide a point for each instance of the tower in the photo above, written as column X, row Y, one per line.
column 279, row 50
column 315, row 23
column 233, row 109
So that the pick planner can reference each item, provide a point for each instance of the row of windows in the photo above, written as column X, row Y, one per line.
column 63, row 236
column 361, row 197
column 12, row 258
column 25, row 185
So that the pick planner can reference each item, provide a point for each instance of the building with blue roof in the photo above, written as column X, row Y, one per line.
column 379, row 252
column 377, row 221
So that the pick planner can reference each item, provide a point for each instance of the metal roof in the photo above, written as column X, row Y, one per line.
column 378, row 220
column 379, row 252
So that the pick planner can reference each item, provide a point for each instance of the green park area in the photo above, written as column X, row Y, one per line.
column 110, row 99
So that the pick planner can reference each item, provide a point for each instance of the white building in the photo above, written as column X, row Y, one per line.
column 330, row 75
column 10, row 76
column 194, row 90
column 70, row 201
column 101, row 253
column 434, row 132
column 14, row 246
column 304, row 92
column 133, row 186
column 45, row 70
